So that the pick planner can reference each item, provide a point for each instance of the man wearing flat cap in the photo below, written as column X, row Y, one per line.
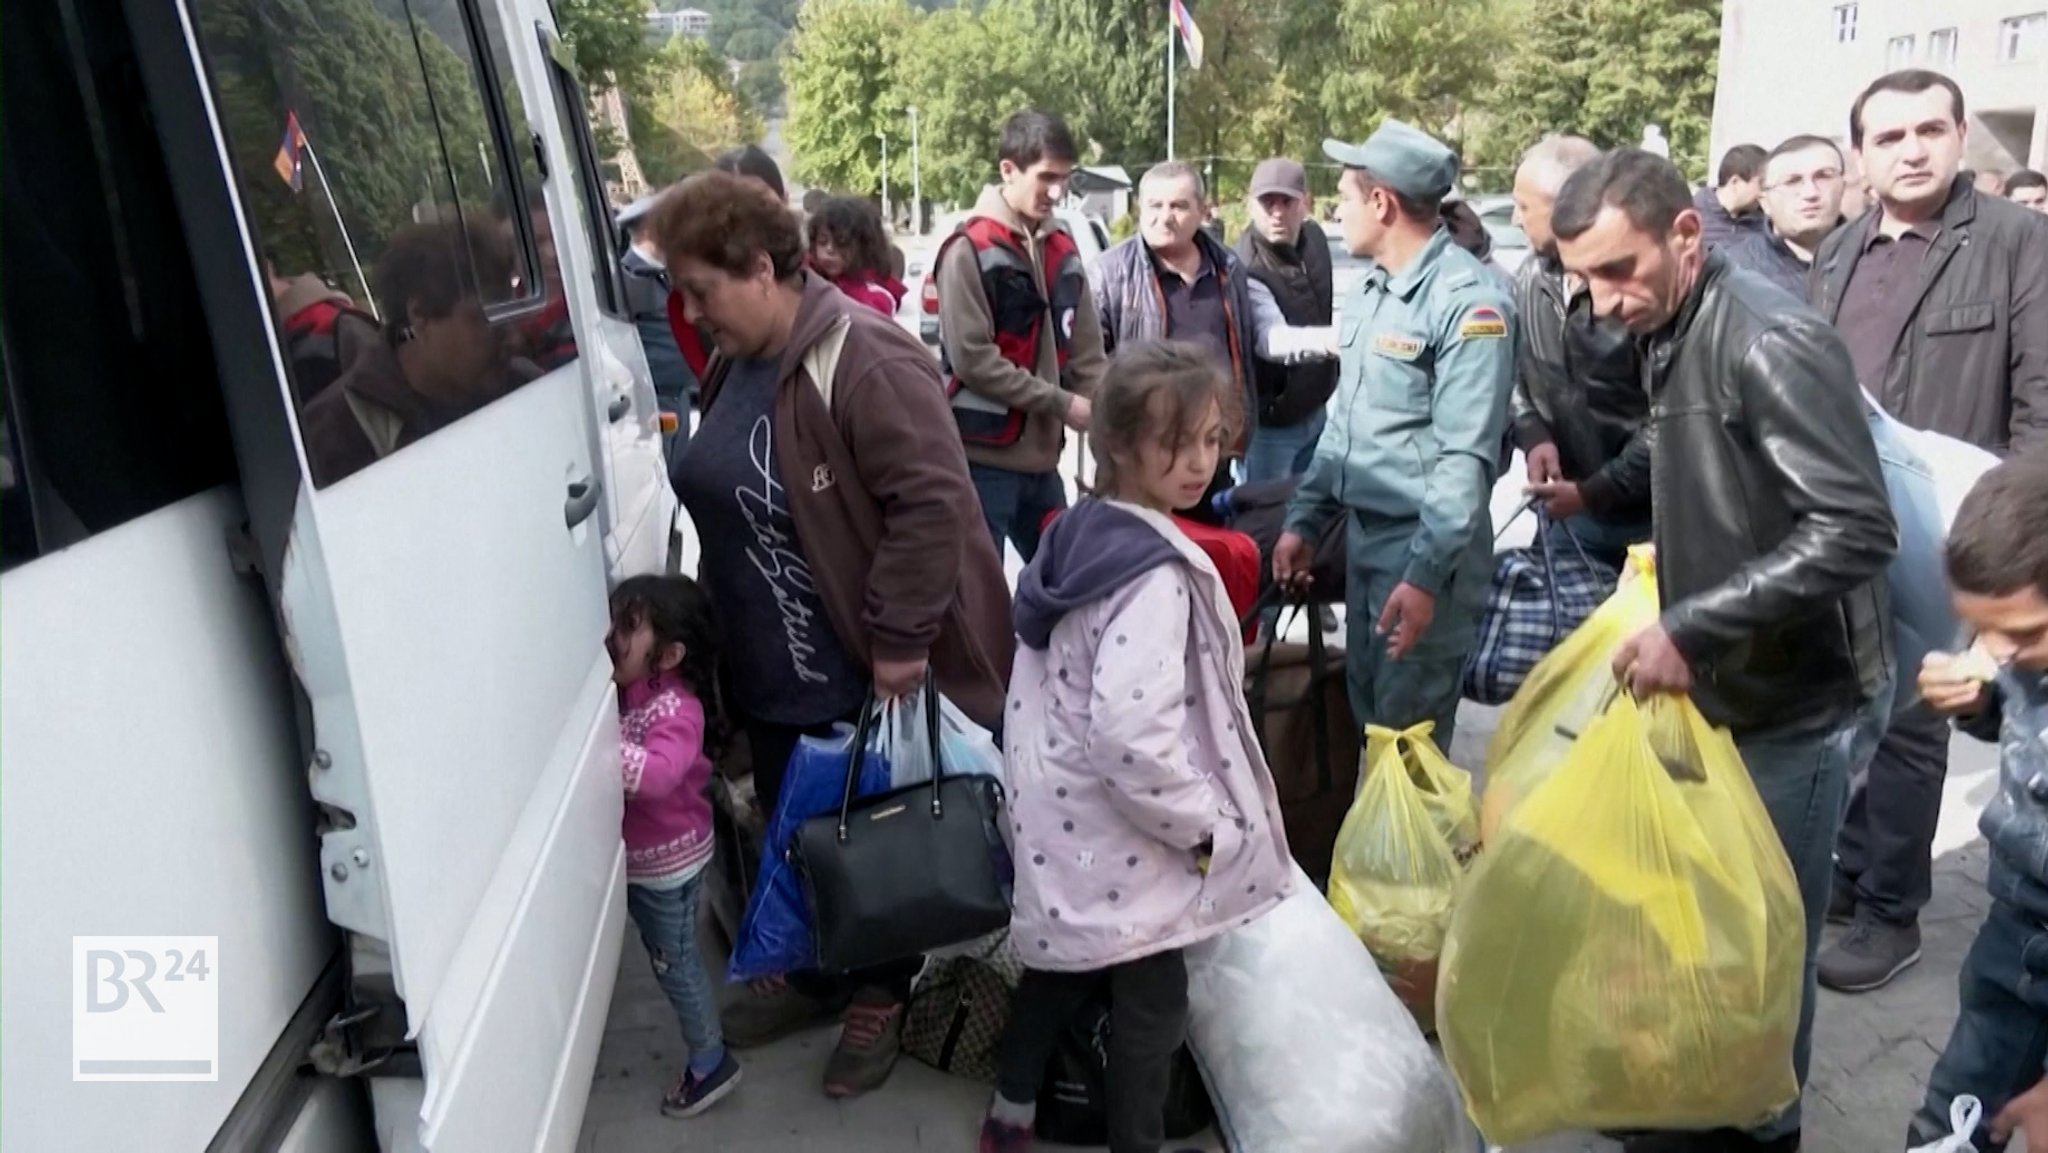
column 1287, row 252
column 1413, row 443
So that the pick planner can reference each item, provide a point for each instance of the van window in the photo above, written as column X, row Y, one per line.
column 588, row 179
column 109, row 395
column 387, row 170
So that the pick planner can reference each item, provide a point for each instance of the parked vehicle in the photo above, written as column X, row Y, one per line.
column 321, row 675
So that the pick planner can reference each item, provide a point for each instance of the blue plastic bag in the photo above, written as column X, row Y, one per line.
column 775, row 934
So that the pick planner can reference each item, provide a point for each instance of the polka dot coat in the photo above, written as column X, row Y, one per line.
column 1128, row 746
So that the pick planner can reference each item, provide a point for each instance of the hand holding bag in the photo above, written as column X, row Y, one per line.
column 900, row 873
column 1538, row 596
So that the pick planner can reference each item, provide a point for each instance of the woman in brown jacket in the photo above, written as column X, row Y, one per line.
column 843, row 541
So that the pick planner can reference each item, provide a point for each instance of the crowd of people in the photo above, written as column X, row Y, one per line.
column 1698, row 372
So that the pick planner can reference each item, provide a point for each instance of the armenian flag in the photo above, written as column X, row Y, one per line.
column 290, row 161
column 1190, row 35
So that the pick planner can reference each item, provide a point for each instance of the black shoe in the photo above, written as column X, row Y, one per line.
column 1711, row 1141
column 1869, row 955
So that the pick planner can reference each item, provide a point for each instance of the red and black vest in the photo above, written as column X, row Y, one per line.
column 1020, row 309
column 314, row 347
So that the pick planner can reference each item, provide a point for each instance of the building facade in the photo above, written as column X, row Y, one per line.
column 1795, row 66
column 662, row 26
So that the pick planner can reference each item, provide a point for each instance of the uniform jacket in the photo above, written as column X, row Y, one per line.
column 1128, row 746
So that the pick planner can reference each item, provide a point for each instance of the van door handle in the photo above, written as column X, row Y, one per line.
column 621, row 405
column 583, row 495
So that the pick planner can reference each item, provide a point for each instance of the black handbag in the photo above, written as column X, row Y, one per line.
column 898, row 874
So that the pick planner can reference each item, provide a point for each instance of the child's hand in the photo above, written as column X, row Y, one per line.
column 1953, row 683
column 2027, row 1111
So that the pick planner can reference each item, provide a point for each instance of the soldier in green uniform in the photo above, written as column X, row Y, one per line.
column 1414, row 435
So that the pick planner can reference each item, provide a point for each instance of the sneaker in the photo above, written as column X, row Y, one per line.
column 1713, row 1141
column 1841, row 903
column 997, row 1137
column 692, row 1095
column 768, row 1011
column 1869, row 955
column 868, row 1045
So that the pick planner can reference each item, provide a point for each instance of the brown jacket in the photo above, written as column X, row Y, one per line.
column 883, row 507
column 967, row 329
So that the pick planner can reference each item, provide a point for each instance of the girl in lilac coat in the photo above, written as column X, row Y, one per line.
column 1144, row 817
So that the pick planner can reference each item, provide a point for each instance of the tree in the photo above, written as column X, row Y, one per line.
column 760, row 85
column 967, row 72
column 841, row 79
column 1603, row 69
column 1422, row 61
column 1110, row 67
column 692, row 114
column 609, row 40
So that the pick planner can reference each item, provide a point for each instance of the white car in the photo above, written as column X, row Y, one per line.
column 1088, row 233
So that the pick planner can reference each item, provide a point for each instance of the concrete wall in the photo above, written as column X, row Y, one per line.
column 1782, row 72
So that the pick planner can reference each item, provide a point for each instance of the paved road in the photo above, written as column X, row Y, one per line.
column 1872, row 1053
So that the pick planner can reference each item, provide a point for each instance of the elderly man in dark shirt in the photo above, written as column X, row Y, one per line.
column 1941, row 294
column 1803, row 188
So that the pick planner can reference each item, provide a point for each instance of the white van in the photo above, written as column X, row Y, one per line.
column 325, row 434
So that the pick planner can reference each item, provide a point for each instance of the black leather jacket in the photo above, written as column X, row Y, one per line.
column 1773, row 528
column 1578, row 386
column 1973, row 361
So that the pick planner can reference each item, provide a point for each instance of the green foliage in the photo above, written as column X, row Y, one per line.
column 1421, row 61
column 966, row 72
column 352, row 74
column 843, row 93
column 691, row 113
column 1109, row 64
column 1603, row 69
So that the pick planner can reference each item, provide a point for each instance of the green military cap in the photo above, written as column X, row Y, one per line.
column 1407, row 159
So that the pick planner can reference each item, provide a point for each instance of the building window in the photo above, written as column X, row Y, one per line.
column 1941, row 47
column 2022, row 37
column 1845, row 23
column 1898, row 53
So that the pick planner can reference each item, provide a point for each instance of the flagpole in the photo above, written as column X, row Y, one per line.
column 1171, row 32
column 368, row 297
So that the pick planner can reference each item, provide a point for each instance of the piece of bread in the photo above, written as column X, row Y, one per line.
column 1977, row 665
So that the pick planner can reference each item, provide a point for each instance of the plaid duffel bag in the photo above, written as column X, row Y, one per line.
column 1538, row 596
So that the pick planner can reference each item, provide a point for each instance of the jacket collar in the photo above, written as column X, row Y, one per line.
column 1404, row 283
column 992, row 205
column 1659, row 347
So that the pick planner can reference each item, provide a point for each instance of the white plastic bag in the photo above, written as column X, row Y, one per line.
column 1965, row 1113
column 967, row 747
column 1304, row 1047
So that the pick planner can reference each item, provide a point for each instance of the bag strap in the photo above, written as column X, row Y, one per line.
column 821, row 360
column 866, row 727
column 1318, row 705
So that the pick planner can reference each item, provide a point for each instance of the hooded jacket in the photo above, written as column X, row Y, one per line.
column 887, row 517
column 1129, row 747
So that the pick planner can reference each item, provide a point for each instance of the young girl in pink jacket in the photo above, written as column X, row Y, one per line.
column 664, row 648
column 1144, row 815
column 850, row 248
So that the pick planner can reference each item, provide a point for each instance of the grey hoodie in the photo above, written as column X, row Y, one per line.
column 1089, row 552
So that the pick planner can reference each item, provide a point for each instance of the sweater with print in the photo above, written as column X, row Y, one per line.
column 661, row 753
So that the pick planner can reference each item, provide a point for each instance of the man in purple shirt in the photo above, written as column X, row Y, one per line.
column 1941, row 294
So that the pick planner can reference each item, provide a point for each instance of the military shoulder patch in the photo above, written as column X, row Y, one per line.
column 1483, row 323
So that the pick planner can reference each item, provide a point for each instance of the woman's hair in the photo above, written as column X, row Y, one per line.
column 726, row 221
column 855, row 227
column 678, row 611
column 749, row 160
column 1188, row 380
column 432, row 268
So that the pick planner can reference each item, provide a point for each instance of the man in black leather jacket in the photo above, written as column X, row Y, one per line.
column 1772, row 527
column 1941, row 293
column 1578, row 405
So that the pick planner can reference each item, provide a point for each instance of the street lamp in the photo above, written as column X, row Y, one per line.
column 888, row 224
column 916, row 180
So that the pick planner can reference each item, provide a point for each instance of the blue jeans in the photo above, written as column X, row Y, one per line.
column 667, row 920
column 1286, row 450
column 2001, row 1036
column 1804, row 783
column 1015, row 504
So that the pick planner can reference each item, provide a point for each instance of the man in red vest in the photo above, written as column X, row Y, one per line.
column 1018, row 332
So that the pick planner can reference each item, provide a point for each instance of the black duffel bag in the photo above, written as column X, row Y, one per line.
column 1073, row 1102
column 898, row 874
column 1259, row 510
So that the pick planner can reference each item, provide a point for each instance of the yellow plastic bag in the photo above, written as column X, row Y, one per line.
column 1564, row 692
column 1401, row 854
column 1628, row 953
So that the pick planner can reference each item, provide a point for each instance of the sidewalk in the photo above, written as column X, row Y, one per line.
column 1872, row 1053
